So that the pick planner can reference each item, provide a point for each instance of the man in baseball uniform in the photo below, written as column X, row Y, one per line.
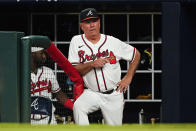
column 43, row 84
column 96, row 56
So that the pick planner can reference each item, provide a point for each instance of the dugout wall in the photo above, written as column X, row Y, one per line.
column 15, row 75
column 10, row 83
column 178, row 80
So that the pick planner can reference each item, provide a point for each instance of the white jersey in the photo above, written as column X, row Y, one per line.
column 100, row 79
column 43, row 84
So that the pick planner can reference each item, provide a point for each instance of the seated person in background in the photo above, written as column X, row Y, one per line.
column 43, row 84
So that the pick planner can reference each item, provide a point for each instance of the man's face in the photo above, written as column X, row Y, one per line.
column 39, row 57
column 91, row 27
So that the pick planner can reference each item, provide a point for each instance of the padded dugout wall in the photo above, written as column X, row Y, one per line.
column 15, row 76
column 10, row 76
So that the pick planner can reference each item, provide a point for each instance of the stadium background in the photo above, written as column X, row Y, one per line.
column 166, row 28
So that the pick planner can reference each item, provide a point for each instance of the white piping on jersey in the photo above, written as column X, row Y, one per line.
column 94, row 59
column 134, row 52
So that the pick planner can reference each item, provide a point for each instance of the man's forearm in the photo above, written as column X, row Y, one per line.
column 61, row 97
column 64, row 100
column 84, row 68
column 134, row 64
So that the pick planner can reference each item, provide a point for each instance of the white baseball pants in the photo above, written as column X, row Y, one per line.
column 111, row 106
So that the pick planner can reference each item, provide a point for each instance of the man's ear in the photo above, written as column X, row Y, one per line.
column 81, row 26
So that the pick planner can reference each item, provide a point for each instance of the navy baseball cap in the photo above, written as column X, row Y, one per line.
column 89, row 13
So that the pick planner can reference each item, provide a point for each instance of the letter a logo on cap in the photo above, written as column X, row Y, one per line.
column 90, row 13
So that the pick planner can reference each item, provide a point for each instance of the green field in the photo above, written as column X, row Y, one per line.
column 71, row 127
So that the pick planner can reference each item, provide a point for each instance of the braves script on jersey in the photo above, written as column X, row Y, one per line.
column 101, row 79
column 43, row 84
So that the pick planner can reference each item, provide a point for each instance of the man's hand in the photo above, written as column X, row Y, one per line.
column 126, row 81
column 123, row 84
column 99, row 62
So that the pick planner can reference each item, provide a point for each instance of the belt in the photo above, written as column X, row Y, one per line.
column 108, row 92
